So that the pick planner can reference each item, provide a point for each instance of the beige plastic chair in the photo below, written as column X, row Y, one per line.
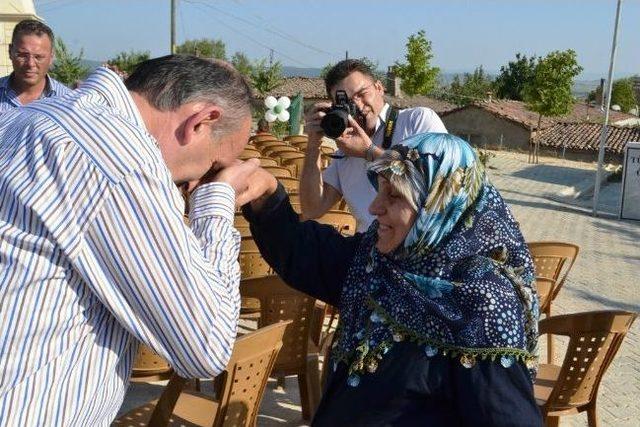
column 241, row 224
column 294, row 164
column 149, row 366
column 594, row 340
column 268, row 161
column 274, row 152
column 263, row 145
column 240, row 389
column 291, row 185
column 299, row 355
column 251, row 262
column 278, row 171
column 294, row 139
column 553, row 260
column 249, row 153
column 342, row 221
column 258, row 139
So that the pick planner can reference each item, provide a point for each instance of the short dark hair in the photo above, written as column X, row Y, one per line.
column 343, row 69
column 171, row 81
column 28, row 27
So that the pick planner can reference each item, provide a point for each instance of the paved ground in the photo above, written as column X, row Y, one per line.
column 605, row 276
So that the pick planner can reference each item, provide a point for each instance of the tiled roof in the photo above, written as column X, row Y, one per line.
column 310, row 87
column 586, row 136
column 420, row 101
column 516, row 111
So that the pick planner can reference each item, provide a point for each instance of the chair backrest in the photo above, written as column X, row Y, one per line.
column 149, row 364
column 241, row 224
column 280, row 302
column 263, row 145
column 594, row 339
column 275, row 151
column 302, row 145
column 267, row 161
column 544, row 287
column 249, row 152
column 294, row 164
column 257, row 139
column 293, row 139
column 291, row 185
column 278, row 171
column 251, row 262
column 342, row 221
column 240, row 386
column 327, row 150
column 553, row 260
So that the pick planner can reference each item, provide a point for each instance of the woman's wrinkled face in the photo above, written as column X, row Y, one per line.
column 395, row 217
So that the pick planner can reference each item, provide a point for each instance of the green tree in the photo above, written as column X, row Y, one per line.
column 514, row 76
column 128, row 61
column 418, row 76
column 548, row 93
column 266, row 77
column 67, row 68
column 473, row 87
column 622, row 94
column 241, row 63
column 205, row 48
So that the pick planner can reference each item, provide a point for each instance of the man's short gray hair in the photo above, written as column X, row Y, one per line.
column 175, row 80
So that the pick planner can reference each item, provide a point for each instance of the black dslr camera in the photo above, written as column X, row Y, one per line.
column 336, row 120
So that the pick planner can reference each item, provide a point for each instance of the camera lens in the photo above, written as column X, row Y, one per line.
column 334, row 123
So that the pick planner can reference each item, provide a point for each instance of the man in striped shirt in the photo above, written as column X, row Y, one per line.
column 94, row 253
column 31, row 53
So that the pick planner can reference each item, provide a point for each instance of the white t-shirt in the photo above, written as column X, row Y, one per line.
column 349, row 175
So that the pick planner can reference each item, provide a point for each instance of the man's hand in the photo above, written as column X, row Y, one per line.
column 261, row 185
column 312, row 123
column 236, row 175
column 354, row 141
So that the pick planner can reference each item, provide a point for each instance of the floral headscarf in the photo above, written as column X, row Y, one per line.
column 460, row 285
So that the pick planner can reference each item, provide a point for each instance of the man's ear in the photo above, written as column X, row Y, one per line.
column 379, row 85
column 201, row 120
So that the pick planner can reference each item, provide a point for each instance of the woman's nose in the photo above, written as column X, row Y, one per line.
column 376, row 207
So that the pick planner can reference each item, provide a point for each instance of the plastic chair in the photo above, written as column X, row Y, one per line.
column 294, row 164
column 241, row 224
column 299, row 355
column 544, row 287
column 275, row 151
column 594, row 339
column 239, row 389
column 257, row 139
column 149, row 366
column 293, row 139
column 278, row 171
column 342, row 221
column 251, row 262
column 553, row 260
column 268, row 161
column 249, row 152
column 291, row 185
column 265, row 145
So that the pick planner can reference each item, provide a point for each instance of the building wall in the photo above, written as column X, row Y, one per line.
column 485, row 130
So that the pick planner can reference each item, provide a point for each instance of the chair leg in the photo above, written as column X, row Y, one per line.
column 303, row 385
column 552, row 421
column 280, row 381
column 592, row 416
column 549, row 338
column 313, row 375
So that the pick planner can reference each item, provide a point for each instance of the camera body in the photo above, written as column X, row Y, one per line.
column 336, row 120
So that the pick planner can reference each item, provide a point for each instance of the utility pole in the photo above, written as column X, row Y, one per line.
column 270, row 57
column 346, row 54
column 173, row 26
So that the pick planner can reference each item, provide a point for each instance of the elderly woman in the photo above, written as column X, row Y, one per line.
column 437, row 313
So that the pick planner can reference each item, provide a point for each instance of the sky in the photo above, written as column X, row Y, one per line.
column 464, row 33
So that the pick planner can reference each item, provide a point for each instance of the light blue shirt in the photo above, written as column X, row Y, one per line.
column 95, row 256
column 9, row 99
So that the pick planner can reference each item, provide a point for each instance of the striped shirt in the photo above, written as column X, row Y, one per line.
column 94, row 255
column 9, row 99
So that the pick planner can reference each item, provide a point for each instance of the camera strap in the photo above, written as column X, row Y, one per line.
column 390, row 126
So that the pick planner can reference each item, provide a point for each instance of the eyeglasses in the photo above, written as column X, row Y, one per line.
column 359, row 95
column 24, row 57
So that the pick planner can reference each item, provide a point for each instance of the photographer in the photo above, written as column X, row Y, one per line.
column 363, row 140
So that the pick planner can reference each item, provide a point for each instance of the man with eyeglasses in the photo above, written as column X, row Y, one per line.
column 363, row 141
column 31, row 53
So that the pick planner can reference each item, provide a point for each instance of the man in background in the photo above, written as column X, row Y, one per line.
column 362, row 141
column 31, row 54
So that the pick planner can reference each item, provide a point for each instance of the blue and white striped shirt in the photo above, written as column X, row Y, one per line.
column 94, row 254
column 9, row 99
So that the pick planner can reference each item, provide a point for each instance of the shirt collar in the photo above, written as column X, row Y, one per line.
column 111, row 87
column 49, row 87
column 382, row 117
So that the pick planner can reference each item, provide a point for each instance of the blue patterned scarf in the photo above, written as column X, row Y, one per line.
column 460, row 285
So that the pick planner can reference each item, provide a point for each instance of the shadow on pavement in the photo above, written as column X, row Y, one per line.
column 559, row 175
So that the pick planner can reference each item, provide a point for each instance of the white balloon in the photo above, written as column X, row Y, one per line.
column 283, row 116
column 270, row 101
column 284, row 102
column 269, row 116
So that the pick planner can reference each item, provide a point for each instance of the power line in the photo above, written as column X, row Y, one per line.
column 276, row 32
column 224, row 24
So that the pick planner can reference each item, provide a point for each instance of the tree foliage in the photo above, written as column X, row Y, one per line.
column 67, row 68
column 204, row 48
column 266, row 77
column 473, row 87
column 242, row 63
column 622, row 94
column 514, row 76
column 418, row 76
column 548, row 93
column 128, row 61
